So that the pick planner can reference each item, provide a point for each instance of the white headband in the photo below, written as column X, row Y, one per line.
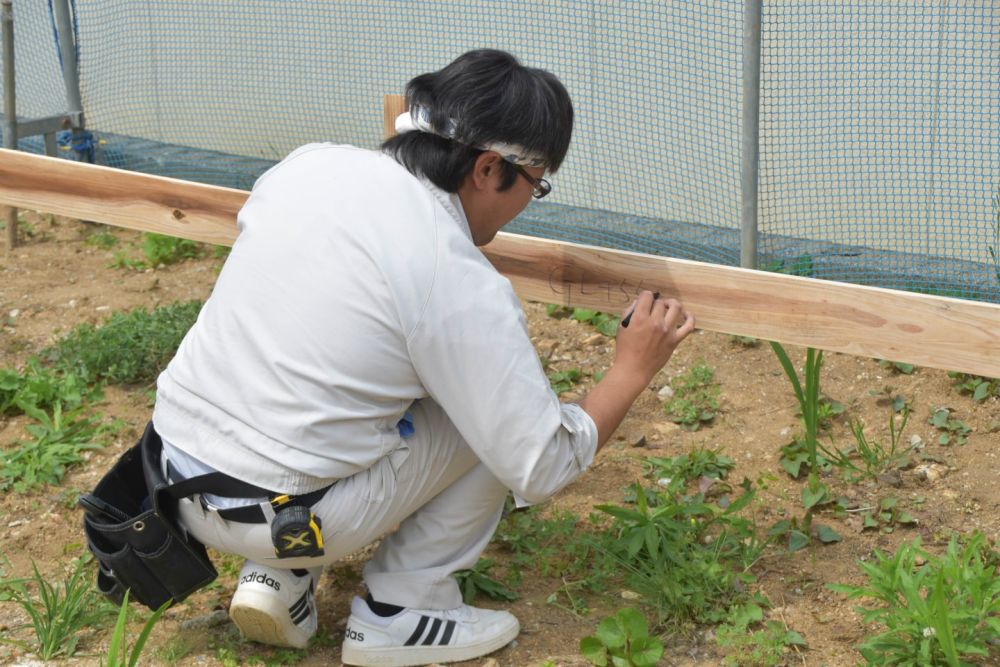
column 418, row 119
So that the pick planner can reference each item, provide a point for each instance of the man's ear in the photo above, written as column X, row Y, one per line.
column 485, row 170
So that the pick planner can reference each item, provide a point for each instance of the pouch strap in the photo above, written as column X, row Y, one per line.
column 215, row 483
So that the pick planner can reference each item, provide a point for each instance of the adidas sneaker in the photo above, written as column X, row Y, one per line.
column 274, row 606
column 419, row 637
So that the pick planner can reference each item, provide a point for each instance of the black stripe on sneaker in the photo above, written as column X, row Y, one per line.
column 449, row 629
column 432, row 633
column 300, row 610
column 419, row 630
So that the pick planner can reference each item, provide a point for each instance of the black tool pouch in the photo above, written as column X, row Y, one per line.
column 131, row 527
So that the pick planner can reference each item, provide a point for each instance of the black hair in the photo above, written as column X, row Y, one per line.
column 490, row 97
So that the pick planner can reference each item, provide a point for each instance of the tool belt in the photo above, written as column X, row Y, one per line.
column 130, row 523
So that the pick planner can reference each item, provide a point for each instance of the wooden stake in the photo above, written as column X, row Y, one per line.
column 392, row 106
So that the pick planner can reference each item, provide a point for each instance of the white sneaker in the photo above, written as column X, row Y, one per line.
column 274, row 606
column 422, row 636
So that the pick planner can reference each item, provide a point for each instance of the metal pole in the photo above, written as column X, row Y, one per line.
column 50, row 144
column 751, row 136
column 9, row 104
column 67, row 50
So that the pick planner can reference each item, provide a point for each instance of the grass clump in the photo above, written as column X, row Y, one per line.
column 556, row 546
column 58, row 441
column 683, row 546
column 59, row 612
column 41, row 388
column 161, row 250
column 119, row 654
column 934, row 610
column 130, row 347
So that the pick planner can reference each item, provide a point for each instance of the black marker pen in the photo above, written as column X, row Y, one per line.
column 628, row 318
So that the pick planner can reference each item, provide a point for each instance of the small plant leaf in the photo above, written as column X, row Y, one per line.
column 593, row 650
column 610, row 634
column 646, row 651
column 797, row 540
column 792, row 638
column 827, row 535
column 814, row 493
column 982, row 391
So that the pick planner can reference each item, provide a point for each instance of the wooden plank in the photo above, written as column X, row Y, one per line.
column 934, row 331
column 926, row 330
column 123, row 198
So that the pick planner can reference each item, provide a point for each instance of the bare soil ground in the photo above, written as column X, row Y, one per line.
column 56, row 281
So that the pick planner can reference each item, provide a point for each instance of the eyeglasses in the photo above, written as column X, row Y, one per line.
column 541, row 186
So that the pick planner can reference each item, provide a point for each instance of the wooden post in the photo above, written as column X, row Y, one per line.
column 392, row 106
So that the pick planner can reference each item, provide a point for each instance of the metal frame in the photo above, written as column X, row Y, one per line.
column 9, row 105
column 16, row 128
column 750, row 135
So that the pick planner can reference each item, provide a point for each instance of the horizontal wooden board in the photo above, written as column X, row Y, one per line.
column 925, row 330
column 122, row 198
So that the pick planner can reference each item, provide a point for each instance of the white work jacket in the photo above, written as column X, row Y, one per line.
column 354, row 289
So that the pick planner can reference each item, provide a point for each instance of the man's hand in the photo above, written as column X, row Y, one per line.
column 656, row 327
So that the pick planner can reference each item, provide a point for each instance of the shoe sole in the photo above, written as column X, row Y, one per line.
column 410, row 656
column 256, row 615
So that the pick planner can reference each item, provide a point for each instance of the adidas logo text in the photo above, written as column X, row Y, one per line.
column 256, row 577
column 351, row 633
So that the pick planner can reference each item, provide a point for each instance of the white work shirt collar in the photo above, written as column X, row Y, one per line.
column 451, row 203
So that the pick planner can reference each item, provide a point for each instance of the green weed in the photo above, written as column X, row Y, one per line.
column 953, row 431
column 121, row 260
column 815, row 493
column 897, row 366
column 129, row 347
column 745, row 341
column 799, row 266
column 575, row 602
column 887, row 517
column 477, row 580
column 622, row 640
column 103, row 239
column 979, row 388
column 694, row 465
column 874, row 456
column 555, row 547
column 826, row 411
column 696, row 398
column 40, row 388
column 749, row 641
column 604, row 323
column 162, row 250
column 689, row 558
column 175, row 649
column 59, row 613
column 58, row 442
column 119, row 654
column 563, row 381
column 942, row 611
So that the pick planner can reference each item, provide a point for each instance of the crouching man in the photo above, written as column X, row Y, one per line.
column 361, row 362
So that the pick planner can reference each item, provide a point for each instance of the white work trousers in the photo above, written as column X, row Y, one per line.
column 446, row 503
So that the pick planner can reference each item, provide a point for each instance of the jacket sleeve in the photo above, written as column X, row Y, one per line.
column 472, row 352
